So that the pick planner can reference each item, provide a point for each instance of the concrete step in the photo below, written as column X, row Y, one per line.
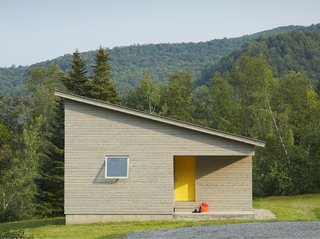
column 185, row 206
column 214, row 215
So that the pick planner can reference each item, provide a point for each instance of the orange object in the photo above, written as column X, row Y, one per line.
column 204, row 207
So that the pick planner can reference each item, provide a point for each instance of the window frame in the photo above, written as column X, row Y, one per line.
column 115, row 157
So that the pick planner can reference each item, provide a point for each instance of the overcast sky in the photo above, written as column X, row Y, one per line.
column 38, row 30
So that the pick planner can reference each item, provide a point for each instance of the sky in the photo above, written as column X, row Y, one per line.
column 36, row 30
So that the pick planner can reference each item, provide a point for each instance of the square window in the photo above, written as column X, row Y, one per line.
column 117, row 167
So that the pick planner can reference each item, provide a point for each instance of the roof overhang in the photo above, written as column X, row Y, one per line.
column 161, row 119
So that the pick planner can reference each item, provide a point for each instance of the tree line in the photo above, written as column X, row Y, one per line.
column 247, row 100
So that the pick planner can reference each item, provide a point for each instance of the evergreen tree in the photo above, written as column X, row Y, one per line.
column 101, row 86
column 77, row 80
column 51, row 183
column 41, row 83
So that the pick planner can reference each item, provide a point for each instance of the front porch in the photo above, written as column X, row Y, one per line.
column 228, row 215
column 223, row 182
column 184, row 211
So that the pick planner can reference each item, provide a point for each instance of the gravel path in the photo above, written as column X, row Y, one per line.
column 292, row 230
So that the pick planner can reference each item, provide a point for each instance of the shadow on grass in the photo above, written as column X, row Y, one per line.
column 316, row 212
column 32, row 223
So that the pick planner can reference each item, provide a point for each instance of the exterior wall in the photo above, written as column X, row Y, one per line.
column 92, row 132
column 224, row 182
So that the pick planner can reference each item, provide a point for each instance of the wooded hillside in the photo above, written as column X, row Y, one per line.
column 297, row 50
column 128, row 63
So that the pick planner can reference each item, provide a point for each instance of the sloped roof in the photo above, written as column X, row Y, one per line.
column 161, row 119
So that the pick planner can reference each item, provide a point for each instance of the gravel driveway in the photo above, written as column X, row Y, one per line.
column 292, row 230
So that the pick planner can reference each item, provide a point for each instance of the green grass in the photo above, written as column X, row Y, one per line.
column 304, row 207
column 55, row 228
column 292, row 208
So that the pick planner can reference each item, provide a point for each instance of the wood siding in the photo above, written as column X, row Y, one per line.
column 92, row 132
column 224, row 182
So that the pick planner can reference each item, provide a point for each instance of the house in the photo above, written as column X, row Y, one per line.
column 124, row 164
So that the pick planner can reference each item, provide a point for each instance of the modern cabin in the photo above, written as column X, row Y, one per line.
column 125, row 165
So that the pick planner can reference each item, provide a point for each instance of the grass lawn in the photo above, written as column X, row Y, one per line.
column 292, row 208
column 304, row 207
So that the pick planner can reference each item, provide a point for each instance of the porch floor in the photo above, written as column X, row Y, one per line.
column 228, row 215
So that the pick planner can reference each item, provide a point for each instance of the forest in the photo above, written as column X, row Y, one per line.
column 267, row 89
column 128, row 63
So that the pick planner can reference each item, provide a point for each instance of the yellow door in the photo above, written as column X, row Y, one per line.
column 184, row 178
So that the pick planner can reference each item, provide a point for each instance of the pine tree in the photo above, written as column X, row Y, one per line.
column 51, row 183
column 41, row 83
column 101, row 86
column 76, row 80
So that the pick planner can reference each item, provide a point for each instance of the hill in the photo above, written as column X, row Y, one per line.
column 128, row 63
column 296, row 50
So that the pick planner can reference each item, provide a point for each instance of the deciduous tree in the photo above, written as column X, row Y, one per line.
column 178, row 96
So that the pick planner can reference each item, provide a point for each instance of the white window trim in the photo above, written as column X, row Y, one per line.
column 115, row 156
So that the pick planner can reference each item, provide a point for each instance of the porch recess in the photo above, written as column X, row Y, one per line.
column 224, row 182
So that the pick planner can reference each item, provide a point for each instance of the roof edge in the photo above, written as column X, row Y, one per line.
column 158, row 118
